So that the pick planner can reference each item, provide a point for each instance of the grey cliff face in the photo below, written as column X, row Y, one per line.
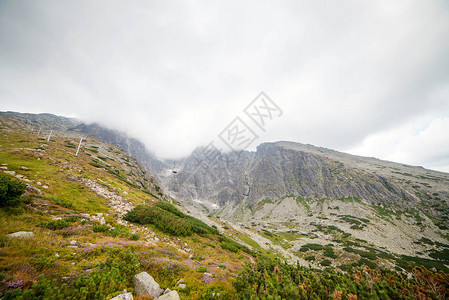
column 280, row 169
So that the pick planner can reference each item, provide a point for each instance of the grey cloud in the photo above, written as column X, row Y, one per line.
column 175, row 73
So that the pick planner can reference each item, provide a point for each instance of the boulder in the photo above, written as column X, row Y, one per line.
column 100, row 218
column 21, row 235
column 144, row 284
column 32, row 189
column 182, row 286
column 173, row 295
column 126, row 296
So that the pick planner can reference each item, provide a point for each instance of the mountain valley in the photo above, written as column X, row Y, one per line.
column 313, row 206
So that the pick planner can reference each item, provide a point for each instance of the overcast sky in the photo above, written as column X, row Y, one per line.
column 365, row 77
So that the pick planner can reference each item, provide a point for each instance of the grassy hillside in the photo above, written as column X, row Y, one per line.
column 99, row 218
column 70, row 243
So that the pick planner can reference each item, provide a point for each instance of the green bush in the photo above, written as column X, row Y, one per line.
column 163, row 220
column 134, row 237
column 116, row 232
column 168, row 219
column 100, row 228
column 56, row 224
column 10, row 191
column 202, row 269
column 229, row 246
column 315, row 247
column 329, row 252
column 326, row 263
column 366, row 262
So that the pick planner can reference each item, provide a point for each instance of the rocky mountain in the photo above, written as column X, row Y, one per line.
column 279, row 169
column 316, row 195
column 295, row 200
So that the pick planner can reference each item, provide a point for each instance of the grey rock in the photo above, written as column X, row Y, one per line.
column 286, row 168
column 144, row 284
column 172, row 295
column 33, row 190
column 99, row 217
column 182, row 286
column 126, row 296
column 21, row 235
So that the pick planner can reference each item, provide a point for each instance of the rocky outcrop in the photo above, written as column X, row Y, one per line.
column 21, row 235
column 125, row 296
column 144, row 284
column 33, row 190
column 273, row 172
column 172, row 295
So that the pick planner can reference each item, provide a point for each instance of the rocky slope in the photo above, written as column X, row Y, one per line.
column 295, row 194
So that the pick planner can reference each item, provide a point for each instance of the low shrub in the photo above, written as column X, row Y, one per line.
column 134, row 237
column 229, row 246
column 104, row 282
column 366, row 262
column 315, row 247
column 10, row 191
column 56, row 224
column 100, row 228
column 329, row 252
column 326, row 263
column 168, row 219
